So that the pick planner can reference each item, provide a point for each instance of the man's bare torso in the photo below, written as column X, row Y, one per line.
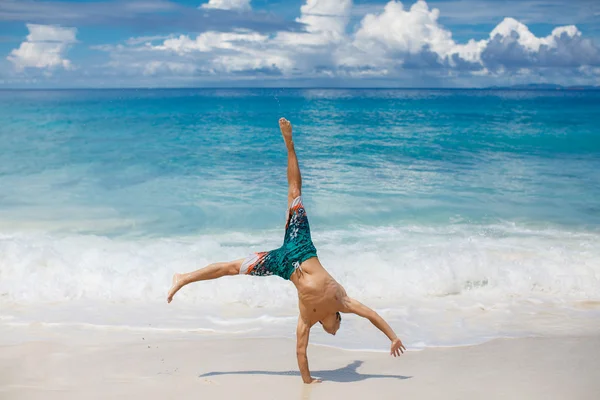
column 319, row 294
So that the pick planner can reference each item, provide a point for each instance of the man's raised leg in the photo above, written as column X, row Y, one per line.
column 293, row 170
column 212, row 271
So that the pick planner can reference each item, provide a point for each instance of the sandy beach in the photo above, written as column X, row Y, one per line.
column 100, row 364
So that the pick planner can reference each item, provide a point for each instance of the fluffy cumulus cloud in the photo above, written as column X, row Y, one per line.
column 512, row 45
column 45, row 48
column 398, row 32
column 239, row 5
column 385, row 44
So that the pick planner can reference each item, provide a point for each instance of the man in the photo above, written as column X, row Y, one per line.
column 320, row 297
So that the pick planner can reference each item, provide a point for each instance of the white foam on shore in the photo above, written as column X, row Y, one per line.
column 375, row 264
column 438, row 286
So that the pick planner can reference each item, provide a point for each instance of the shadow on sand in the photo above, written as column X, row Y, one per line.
column 344, row 374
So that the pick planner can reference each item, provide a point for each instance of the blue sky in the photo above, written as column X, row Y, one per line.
column 185, row 43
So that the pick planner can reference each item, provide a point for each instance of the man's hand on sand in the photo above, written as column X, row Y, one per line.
column 314, row 380
column 397, row 348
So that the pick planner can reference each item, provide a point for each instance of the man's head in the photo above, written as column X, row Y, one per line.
column 331, row 323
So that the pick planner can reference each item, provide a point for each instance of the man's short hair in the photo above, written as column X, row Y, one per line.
column 338, row 316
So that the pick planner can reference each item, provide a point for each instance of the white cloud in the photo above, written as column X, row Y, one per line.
column 396, row 36
column 510, row 27
column 512, row 46
column 45, row 48
column 317, row 47
column 386, row 43
column 469, row 52
column 209, row 41
column 397, row 30
column 325, row 15
column 241, row 50
column 238, row 5
column 408, row 38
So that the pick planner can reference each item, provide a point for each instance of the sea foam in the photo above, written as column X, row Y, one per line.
column 384, row 264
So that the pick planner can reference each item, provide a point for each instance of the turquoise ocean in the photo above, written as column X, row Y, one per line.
column 460, row 215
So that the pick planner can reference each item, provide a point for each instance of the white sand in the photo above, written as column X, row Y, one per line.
column 101, row 364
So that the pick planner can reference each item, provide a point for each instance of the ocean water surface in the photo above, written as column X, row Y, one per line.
column 459, row 215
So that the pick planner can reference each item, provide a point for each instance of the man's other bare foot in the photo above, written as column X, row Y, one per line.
column 286, row 130
column 175, row 287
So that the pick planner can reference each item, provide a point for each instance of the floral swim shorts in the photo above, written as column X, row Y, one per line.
column 297, row 247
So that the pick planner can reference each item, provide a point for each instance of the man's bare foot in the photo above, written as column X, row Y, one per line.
column 175, row 287
column 286, row 130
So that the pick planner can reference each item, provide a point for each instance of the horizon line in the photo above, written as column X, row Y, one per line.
column 516, row 88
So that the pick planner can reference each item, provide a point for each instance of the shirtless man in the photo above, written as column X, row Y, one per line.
column 320, row 297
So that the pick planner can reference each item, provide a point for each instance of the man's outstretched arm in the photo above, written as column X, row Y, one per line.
column 355, row 307
column 302, row 333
